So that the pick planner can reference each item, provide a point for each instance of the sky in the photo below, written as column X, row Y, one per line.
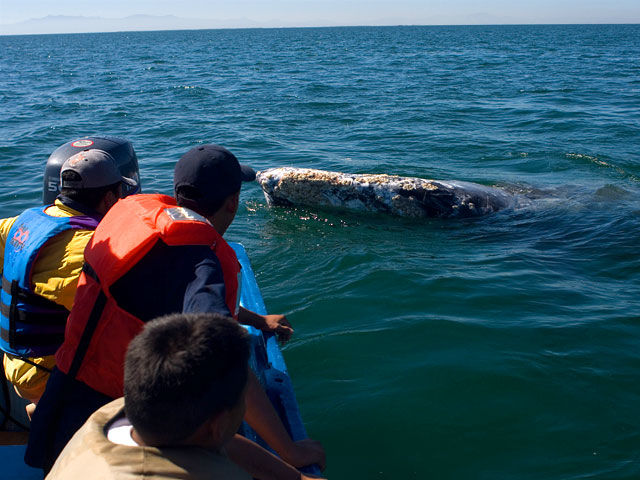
column 336, row 12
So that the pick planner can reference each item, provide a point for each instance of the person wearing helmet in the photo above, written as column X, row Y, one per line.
column 120, row 149
column 41, row 253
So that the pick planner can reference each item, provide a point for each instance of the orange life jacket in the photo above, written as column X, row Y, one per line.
column 98, row 330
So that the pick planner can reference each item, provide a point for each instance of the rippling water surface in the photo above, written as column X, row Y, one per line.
column 506, row 346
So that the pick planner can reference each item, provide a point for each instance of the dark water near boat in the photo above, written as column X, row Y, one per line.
column 506, row 346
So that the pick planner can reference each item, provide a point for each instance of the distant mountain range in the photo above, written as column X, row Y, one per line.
column 78, row 24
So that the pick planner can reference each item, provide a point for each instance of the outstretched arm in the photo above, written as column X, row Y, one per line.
column 264, row 420
column 277, row 324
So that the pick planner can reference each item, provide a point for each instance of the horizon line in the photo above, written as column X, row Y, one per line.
column 314, row 26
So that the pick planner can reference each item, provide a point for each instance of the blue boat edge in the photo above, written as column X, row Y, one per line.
column 267, row 361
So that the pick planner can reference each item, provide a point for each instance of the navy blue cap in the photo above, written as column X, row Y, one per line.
column 210, row 174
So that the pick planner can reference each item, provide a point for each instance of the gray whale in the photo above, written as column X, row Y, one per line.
column 405, row 196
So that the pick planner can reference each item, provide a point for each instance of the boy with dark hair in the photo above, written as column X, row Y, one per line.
column 184, row 399
column 198, row 362
column 185, row 381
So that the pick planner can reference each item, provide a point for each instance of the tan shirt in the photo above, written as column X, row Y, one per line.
column 89, row 454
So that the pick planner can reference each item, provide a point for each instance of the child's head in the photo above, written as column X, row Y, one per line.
column 183, row 371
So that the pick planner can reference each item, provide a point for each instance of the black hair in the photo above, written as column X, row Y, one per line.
column 90, row 197
column 190, row 197
column 180, row 371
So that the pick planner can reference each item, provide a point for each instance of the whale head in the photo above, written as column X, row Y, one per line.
column 269, row 180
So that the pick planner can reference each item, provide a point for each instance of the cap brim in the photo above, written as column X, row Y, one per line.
column 129, row 181
column 248, row 173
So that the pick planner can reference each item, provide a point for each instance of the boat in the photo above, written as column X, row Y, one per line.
column 266, row 361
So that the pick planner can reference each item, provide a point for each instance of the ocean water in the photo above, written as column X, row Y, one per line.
column 500, row 347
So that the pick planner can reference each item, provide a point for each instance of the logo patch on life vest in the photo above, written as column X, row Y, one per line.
column 20, row 237
column 181, row 213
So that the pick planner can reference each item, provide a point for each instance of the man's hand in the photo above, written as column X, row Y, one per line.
column 306, row 452
column 279, row 325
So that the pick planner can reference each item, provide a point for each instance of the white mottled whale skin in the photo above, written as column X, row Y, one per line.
column 405, row 196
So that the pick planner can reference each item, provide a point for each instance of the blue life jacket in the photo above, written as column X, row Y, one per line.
column 32, row 325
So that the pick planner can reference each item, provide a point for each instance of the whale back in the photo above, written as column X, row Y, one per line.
column 405, row 196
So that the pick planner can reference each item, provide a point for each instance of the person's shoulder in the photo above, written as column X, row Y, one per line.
column 5, row 226
column 59, row 209
column 205, row 464
column 90, row 454
column 111, row 410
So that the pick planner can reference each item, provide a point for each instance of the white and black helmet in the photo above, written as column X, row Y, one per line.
column 120, row 149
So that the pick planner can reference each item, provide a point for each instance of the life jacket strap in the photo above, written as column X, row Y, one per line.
column 89, row 330
column 32, row 339
column 90, row 272
column 24, row 296
column 49, row 319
